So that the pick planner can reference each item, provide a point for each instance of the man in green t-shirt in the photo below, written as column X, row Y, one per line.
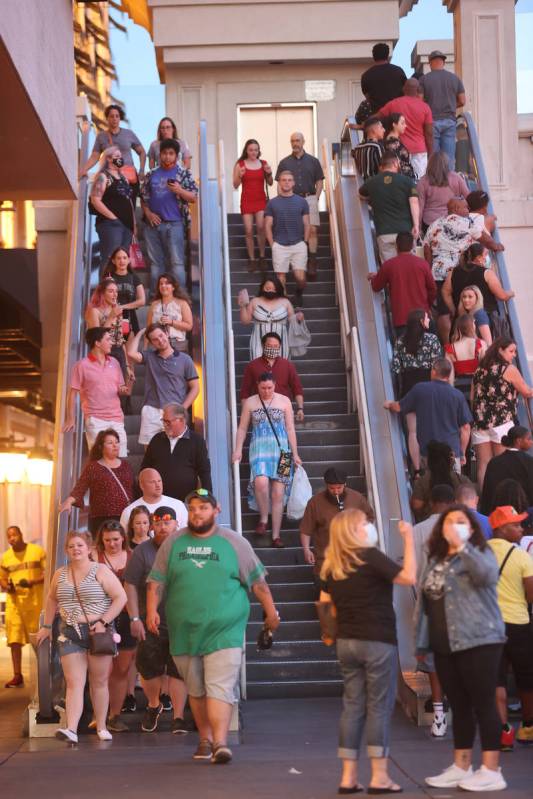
column 394, row 202
column 205, row 572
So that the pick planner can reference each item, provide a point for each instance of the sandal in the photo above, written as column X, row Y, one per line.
column 391, row 788
column 277, row 543
column 261, row 528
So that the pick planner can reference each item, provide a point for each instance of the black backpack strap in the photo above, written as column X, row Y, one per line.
column 506, row 558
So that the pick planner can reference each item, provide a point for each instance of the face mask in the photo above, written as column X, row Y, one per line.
column 488, row 261
column 371, row 534
column 271, row 352
column 118, row 161
column 462, row 530
column 269, row 295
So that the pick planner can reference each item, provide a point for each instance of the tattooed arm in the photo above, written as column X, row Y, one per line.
column 154, row 595
column 263, row 595
column 97, row 192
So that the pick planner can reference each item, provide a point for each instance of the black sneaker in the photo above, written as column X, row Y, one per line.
column 151, row 718
column 166, row 701
column 221, row 754
column 130, row 704
column 179, row 727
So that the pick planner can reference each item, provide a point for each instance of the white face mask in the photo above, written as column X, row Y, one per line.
column 488, row 261
column 463, row 531
column 371, row 534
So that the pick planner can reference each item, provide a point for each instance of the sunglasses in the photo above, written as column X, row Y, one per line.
column 166, row 517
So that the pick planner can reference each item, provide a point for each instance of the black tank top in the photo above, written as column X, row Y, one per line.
column 117, row 197
column 472, row 275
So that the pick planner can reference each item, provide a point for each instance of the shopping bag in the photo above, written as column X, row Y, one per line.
column 301, row 493
column 136, row 255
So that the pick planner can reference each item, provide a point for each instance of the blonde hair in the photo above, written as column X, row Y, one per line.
column 479, row 301
column 83, row 534
column 104, row 155
column 345, row 539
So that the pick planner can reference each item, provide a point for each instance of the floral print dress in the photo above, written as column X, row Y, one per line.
column 494, row 398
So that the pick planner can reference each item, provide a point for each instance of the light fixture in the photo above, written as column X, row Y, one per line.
column 12, row 460
column 39, row 466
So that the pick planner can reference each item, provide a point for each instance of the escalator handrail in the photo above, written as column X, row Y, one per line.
column 510, row 305
column 352, row 349
column 399, row 453
column 230, row 337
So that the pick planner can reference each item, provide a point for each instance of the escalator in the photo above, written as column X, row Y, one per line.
column 369, row 317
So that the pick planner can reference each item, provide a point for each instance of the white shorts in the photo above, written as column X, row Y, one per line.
column 292, row 255
column 150, row 423
column 493, row 435
column 419, row 162
column 314, row 216
column 93, row 426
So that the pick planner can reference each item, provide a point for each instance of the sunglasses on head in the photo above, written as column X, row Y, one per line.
column 166, row 517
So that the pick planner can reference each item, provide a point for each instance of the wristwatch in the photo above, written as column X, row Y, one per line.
column 135, row 618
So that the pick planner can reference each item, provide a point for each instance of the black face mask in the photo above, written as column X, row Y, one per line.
column 269, row 295
column 117, row 162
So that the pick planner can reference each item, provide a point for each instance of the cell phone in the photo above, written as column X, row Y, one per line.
column 171, row 181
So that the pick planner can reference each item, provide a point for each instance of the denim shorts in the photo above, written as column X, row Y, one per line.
column 68, row 640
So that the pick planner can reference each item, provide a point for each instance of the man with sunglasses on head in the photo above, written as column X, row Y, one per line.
column 152, row 497
column 205, row 572
column 153, row 658
column 179, row 455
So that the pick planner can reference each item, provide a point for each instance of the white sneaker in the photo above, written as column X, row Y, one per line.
column 484, row 779
column 104, row 735
column 67, row 735
column 450, row 777
column 439, row 726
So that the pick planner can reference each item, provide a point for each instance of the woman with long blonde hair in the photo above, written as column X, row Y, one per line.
column 358, row 581
column 471, row 302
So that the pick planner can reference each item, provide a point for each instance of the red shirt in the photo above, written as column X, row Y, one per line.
column 106, row 497
column 285, row 374
column 417, row 113
column 410, row 283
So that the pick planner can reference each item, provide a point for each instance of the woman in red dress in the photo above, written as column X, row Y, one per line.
column 252, row 172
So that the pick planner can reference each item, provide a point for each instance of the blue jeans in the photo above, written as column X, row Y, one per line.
column 165, row 245
column 112, row 234
column 444, row 138
column 369, row 670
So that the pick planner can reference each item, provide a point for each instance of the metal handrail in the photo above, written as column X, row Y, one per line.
column 230, row 338
column 352, row 350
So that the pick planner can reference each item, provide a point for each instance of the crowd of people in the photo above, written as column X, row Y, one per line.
column 157, row 588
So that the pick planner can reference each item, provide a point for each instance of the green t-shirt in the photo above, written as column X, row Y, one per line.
column 389, row 193
column 206, row 582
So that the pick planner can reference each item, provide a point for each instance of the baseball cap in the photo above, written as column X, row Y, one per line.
column 437, row 54
column 333, row 476
column 163, row 514
column 505, row 514
column 203, row 494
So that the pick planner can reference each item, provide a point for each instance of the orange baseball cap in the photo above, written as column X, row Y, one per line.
column 506, row 514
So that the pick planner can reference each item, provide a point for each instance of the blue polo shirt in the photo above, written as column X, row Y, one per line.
column 441, row 410
column 287, row 218
column 166, row 379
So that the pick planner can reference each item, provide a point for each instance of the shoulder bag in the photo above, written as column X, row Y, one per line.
column 506, row 558
column 283, row 470
column 128, row 500
column 99, row 643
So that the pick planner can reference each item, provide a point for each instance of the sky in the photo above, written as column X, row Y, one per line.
column 144, row 96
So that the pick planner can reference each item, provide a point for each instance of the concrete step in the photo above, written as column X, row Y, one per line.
column 294, row 689
column 281, row 670
column 288, row 631
column 292, row 611
column 293, row 592
column 284, row 650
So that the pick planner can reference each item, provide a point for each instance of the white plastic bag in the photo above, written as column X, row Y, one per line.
column 301, row 493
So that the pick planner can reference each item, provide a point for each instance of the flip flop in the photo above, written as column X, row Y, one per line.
column 390, row 789
column 355, row 789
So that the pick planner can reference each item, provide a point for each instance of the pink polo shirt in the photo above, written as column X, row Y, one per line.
column 98, row 385
column 417, row 113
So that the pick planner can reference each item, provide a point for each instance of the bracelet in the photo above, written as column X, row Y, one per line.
column 46, row 626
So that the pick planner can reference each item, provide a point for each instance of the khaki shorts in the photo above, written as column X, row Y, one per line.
column 93, row 426
column 287, row 256
column 214, row 675
column 387, row 246
column 493, row 435
column 150, row 423
column 20, row 623
column 314, row 216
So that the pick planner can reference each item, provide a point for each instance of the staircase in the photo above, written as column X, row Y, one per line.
column 298, row 664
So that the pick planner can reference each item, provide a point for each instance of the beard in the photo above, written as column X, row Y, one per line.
column 201, row 528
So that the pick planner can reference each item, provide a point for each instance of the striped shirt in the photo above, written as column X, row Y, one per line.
column 287, row 218
column 367, row 156
column 92, row 594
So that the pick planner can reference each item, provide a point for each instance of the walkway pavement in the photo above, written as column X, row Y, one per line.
column 287, row 750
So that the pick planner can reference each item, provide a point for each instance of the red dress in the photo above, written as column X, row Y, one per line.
column 253, row 196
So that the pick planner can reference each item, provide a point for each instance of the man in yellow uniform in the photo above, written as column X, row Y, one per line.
column 22, row 577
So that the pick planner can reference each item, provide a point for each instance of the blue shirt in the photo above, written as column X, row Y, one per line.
column 483, row 522
column 161, row 200
column 287, row 214
column 167, row 379
column 440, row 411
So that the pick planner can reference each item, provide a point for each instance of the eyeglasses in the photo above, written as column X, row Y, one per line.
column 167, row 422
column 166, row 517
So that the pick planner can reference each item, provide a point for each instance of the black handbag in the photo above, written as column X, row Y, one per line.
column 284, row 466
column 327, row 617
column 99, row 643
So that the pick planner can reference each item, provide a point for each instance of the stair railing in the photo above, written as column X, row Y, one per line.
column 230, row 336
column 352, row 351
